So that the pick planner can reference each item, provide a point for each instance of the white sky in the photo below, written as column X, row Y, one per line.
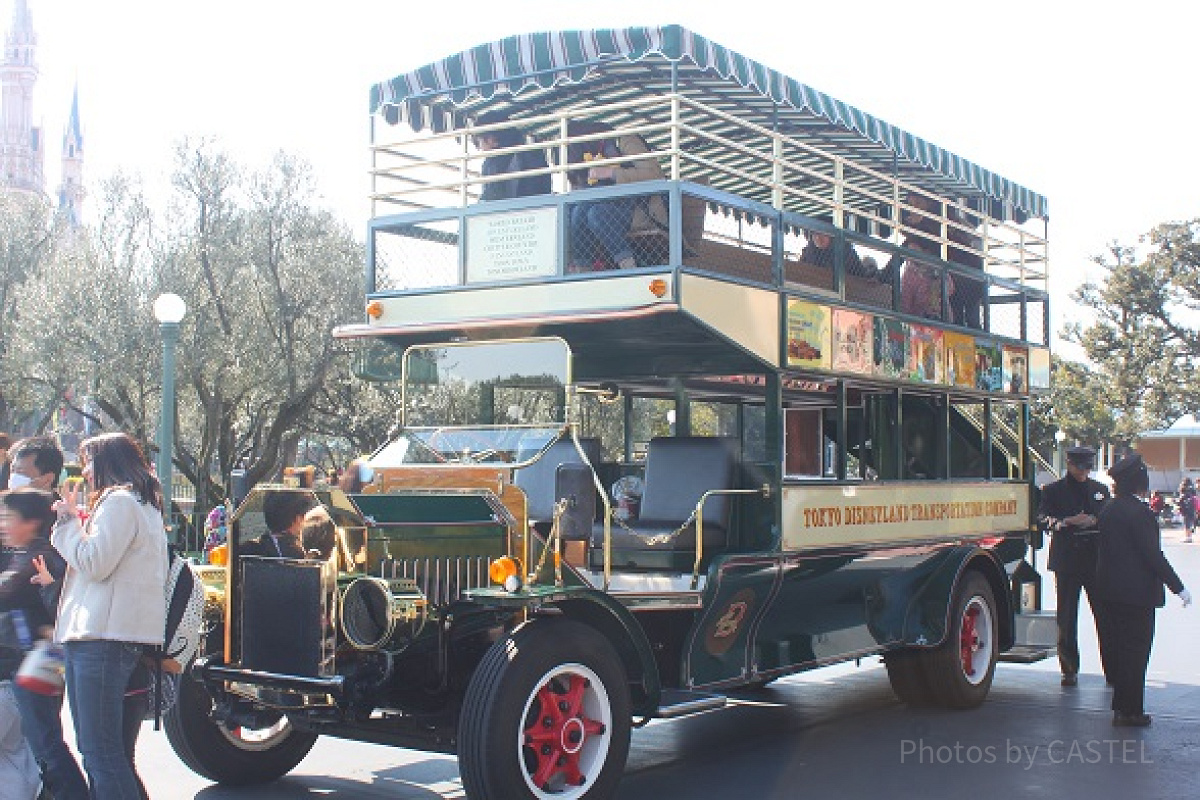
column 1092, row 105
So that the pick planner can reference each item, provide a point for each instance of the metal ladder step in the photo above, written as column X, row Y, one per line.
column 676, row 703
column 1027, row 654
column 1036, row 638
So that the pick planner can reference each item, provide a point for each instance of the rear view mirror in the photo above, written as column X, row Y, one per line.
column 574, row 483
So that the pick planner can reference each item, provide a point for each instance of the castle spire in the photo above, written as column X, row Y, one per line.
column 70, row 193
column 22, row 155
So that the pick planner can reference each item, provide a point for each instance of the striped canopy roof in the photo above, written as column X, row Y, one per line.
column 520, row 74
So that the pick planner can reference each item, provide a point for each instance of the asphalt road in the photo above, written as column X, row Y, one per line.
column 840, row 732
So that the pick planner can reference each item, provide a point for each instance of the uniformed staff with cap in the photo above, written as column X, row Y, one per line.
column 1070, row 509
column 1130, row 573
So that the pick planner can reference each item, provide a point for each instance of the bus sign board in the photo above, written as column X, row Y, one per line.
column 512, row 246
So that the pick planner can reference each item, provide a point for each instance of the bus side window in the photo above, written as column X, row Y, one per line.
column 922, row 439
column 804, row 443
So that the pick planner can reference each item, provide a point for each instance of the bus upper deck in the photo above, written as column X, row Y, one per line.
column 755, row 179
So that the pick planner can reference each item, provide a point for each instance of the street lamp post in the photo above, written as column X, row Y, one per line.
column 1059, row 438
column 168, row 310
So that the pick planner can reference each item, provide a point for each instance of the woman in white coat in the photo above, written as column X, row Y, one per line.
column 113, row 603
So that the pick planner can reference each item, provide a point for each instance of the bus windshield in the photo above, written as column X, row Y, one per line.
column 509, row 383
column 493, row 444
column 480, row 402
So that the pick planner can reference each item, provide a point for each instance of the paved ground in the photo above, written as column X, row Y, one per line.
column 840, row 732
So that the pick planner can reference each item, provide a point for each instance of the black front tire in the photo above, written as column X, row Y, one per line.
column 230, row 757
column 546, row 715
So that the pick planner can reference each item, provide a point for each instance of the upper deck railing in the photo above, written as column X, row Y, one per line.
column 749, row 213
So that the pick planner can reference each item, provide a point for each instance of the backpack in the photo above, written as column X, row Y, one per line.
column 185, row 614
column 181, row 636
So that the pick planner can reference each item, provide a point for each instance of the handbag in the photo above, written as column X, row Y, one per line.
column 43, row 670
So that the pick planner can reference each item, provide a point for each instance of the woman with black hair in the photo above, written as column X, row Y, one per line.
column 1130, row 573
column 113, row 600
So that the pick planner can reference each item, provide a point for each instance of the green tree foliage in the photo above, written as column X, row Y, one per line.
column 1076, row 406
column 1144, row 339
column 266, row 275
column 27, row 241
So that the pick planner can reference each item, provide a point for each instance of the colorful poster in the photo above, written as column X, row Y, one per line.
column 1016, row 370
column 891, row 348
column 853, row 334
column 987, row 367
column 808, row 343
column 926, row 354
column 1039, row 368
column 960, row 359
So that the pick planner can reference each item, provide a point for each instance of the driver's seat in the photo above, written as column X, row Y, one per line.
column 537, row 479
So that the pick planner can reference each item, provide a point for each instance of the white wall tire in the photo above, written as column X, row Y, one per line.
column 546, row 716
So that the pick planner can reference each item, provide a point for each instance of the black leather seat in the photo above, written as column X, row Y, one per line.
column 679, row 470
column 537, row 479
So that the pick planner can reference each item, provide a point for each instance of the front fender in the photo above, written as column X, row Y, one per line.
column 927, row 617
column 607, row 617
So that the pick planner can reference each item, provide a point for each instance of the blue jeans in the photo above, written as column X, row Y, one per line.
column 598, row 230
column 97, row 673
column 41, row 721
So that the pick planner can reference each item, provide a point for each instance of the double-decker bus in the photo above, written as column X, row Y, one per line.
column 739, row 388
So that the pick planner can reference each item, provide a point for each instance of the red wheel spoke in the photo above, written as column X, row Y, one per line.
column 574, row 695
column 968, row 639
column 591, row 727
column 557, row 730
column 536, row 734
column 570, row 769
column 545, row 770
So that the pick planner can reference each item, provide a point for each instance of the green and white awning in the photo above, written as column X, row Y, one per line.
column 610, row 65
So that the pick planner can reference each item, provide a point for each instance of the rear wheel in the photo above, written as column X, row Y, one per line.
column 960, row 671
column 231, row 756
column 547, row 715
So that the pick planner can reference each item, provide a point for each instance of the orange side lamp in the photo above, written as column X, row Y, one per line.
column 506, row 571
column 219, row 555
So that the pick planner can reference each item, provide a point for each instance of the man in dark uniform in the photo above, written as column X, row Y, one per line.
column 1070, row 510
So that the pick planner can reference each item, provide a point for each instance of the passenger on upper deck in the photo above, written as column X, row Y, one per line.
column 820, row 253
column 599, row 228
column 506, row 163
column 920, row 283
column 967, row 297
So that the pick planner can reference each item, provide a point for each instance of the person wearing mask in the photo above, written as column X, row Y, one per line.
column 283, row 513
column 1069, row 510
column 113, row 600
column 1131, row 571
column 37, row 463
